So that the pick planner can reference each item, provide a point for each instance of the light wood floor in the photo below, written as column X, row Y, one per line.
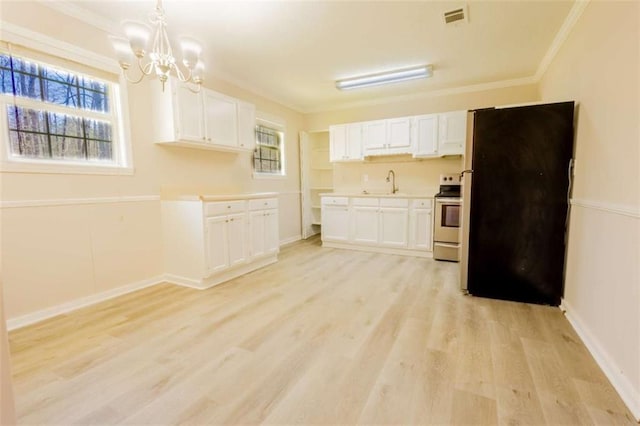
column 324, row 336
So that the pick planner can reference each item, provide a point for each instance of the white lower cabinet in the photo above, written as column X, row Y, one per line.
column 421, row 220
column 206, row 243
column 264, row 232
column 365, row 225
column 335, row 219
column 395, row 225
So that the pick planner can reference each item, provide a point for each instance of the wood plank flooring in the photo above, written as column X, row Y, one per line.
column 324, row 336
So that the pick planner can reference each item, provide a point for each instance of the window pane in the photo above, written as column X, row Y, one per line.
column 67, row 148
column 95, row 129
column 96, row 86
column 99, row 150
column 67, row 125
column 60, row 93
column 32, row 145
column 14, row 143
column 96, row 101
column 256, row 165
column 5, row 61
column 27, row 85
column 6, row 84
column 27, row 119
column 24, row 66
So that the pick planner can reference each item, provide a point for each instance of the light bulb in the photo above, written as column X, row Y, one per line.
column 191, row 50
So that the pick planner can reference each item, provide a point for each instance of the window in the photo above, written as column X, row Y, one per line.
column 56, row 116
column 268, row 158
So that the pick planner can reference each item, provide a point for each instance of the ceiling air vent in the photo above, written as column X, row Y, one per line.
column 458, row 15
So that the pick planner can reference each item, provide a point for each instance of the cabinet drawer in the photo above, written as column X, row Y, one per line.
column 394, row 202
column 224, row 207
column 335, row 201
column 426, row 203
column 263, row 204
column 370, row 202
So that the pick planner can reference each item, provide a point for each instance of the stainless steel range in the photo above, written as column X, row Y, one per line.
column 446, row 233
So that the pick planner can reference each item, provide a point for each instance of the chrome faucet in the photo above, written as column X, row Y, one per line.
column 391, row 177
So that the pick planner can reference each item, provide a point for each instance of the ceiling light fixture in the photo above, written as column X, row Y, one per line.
column 161, row 61
column 389, row 77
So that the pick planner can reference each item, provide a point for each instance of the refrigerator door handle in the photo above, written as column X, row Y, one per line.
column 569, row 188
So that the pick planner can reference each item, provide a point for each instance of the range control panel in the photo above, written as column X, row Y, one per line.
column 450, row 179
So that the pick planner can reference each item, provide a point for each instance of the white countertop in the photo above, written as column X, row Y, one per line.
column 223, row 197
column 374, row 195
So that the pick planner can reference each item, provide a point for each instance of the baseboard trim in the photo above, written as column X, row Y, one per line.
column 223, row 276
column 291, row 240
column 620, row 382
column 376, row 249
column 41, row 315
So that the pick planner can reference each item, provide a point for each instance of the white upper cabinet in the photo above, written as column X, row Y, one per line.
column 345, row 142
column 387, row 137
column 374, row 137
column 399, row 136
column 207, row 120
column 425, row 135
column 452, row 133
column 189, row 111
column 221, row 119
column 246, row 125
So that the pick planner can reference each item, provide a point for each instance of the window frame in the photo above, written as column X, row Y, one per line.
column 278, row 125
column 117, row 115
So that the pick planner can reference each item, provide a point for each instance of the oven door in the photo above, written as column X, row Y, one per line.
column 447, row 220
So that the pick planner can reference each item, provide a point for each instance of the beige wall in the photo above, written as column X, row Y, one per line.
column 423, row 105
column 598, row 66
column 56, row 254
column 413, row 176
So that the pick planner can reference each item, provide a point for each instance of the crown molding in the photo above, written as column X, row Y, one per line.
column 83, row 15
column 570, row 21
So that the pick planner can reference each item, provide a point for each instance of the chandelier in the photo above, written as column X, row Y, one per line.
column 159, row 60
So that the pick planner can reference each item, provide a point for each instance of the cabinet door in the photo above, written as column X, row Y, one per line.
column 421, row 225
column 271, row 234
column 365, row 225
column 394, row 227
column 217, row 247
column 374, row 137
column 354, row 141
column 221, row 124
column 399, row 135
column 338, row 142
column 335, row 223
column 452, row 133
column 425, row 135
column 236, row 237
column 257, row 230
column 190, row 115
column 246, row 125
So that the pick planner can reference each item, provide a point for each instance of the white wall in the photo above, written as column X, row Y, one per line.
column 598, row 66
column 54, row 254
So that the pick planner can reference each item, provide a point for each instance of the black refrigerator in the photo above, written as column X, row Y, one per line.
column 515, row 202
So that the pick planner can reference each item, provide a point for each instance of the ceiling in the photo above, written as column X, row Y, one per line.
column 293, row 51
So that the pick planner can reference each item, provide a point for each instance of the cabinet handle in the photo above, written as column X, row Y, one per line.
column 231, row 220
column 226, row 221
column 209, row 139
column 228, row 207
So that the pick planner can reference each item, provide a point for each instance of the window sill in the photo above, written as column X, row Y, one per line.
column 63, row 168
column 257, row 175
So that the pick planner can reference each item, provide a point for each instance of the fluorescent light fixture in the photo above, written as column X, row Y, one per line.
column 389, row 77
